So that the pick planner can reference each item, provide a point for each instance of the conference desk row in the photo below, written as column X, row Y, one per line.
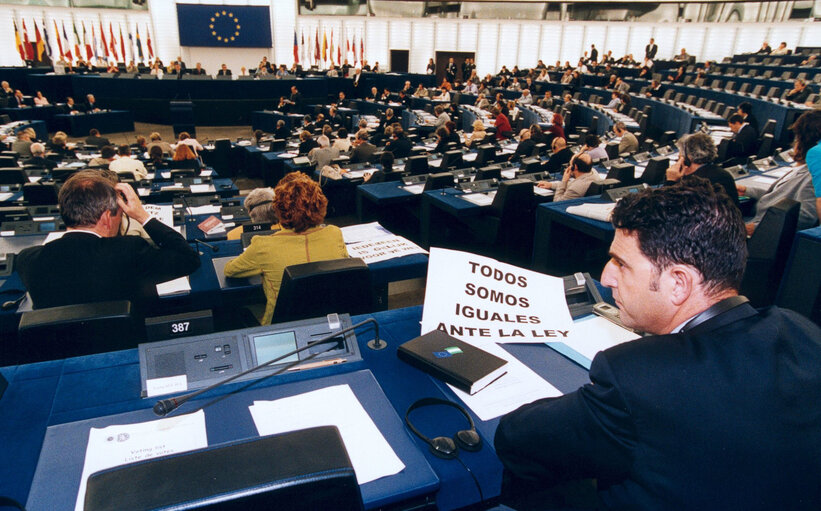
column 75, row 125
column 73, row 395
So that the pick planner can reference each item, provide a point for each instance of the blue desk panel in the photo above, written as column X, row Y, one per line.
column 114, row 121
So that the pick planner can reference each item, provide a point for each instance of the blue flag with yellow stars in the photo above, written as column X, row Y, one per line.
column 223, row 25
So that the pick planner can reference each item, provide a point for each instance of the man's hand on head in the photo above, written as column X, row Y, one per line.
column 130, row 203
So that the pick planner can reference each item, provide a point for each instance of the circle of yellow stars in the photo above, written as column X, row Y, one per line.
column 230, row 17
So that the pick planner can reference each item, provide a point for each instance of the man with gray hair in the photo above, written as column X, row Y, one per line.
column 363, row 150
column 526, row 98
column 38, row 158
column 696, row 155
column 324, row 154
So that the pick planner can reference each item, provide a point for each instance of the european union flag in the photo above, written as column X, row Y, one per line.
column 223, row 25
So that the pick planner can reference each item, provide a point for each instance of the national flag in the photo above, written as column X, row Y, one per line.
column 18, row 42
column 45, row 39
column 316, row 48
column 122, row 44
column 40, row 45
column 324, row 46
column 361, row 48
column 339, row 54
column 347, row 47
column 306, row 55
column 296, row 49
column 59, row 39
column 113, row 43
column 131, row 46
column 102, row 40
column 68, row 43
column 148, row 42
column 332, row 46
column 76, row 41
column 94, row 44
column 86, row 43
column 27, row 44
column 139, row 45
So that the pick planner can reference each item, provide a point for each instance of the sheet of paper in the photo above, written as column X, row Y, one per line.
column 415, row 189
column 371, row 455
column 4, row 196
column 478, row 299
column 544, row 192
column 163, row 213
column 174, row 287
column 206, row 172
column 593, row 334
column 357, row 174
column 208, row 209
column 600, row 212
column 129, row 443
column 518, row 387
column 202, row 188
column 384, row 248
column 364, row 232
column 480, row 199
column 509, row 173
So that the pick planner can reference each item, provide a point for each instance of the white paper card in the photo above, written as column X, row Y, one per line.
column 167, row 385
column 364, row 232
column 382, row 249
column 163, row 213
column 594, row 334
column 129, row 443
column 371, row 455
column 174, row 287
column 415, row 189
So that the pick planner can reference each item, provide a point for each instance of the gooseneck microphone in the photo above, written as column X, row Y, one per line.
column 165, row 406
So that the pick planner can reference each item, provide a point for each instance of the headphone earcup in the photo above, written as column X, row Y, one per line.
column 468, row 439
column 443, row 447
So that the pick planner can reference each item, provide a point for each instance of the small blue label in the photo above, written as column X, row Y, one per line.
column 441, row 354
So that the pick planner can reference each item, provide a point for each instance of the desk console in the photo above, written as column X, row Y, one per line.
column 207, row 359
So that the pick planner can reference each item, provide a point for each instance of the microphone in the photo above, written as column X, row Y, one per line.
column 13, row 303
column 213, row 248
column 165, row 406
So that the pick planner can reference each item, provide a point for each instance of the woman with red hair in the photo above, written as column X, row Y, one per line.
column 556, row 126
column 300, row 207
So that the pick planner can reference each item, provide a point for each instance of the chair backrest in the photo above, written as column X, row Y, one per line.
column 40, row 194
column 345, row 284
column 597, row 187
column 655, row 171
column 722, row 149
column 612, row 150
column 485, row 153
column 765, row 146
column 13, row 176
column 489, row 172
column 299, row 470
column 451, row 159
column 800, row 288
column 438, row 181
column 769, row 127
column 417, row 165
column 75, row 330
column 624, row 172
column 513, row 197
column 8, row 160
column 61, row 175
column 768, row 249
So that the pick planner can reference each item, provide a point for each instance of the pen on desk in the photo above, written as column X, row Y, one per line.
column 322, row 363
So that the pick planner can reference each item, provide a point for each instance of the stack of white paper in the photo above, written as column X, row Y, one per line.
column 600, row 212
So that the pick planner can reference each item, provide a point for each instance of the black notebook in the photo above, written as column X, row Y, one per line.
column 453, row 361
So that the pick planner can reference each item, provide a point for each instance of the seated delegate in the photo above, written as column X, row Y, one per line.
column 300, row 207
column 91, row 262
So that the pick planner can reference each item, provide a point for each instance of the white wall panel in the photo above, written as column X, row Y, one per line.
column 551, row 43
column 486, row 52
column 691, row 37
column 617, row 36
column 665, row 36
column 508, row 51
column 424, row 38
column 640, row 35
column 529, row 45
column 595, row 33
column 791, row 34
column 446, row 37
column 719, row 42
column 572, row 42
column 810, row 34
column 400, row 35
column 376, row 42
column 468, row 34
column 750, row 36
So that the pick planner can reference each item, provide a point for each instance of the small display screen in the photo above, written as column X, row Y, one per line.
column 270, row 346
column 47, row 226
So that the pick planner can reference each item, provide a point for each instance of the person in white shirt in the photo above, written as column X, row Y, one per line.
column 615, row 102
column 186, row 139
column 342, row 143
column 781, row 50
column 526, row 98
column 592, row 146
column 471, row 88
column 125, row 163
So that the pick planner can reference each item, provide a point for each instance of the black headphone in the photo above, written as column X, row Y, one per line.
column 717, row 309
column 442, row 446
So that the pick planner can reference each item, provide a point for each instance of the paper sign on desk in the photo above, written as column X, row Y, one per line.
column 129, row 443
column 203, row 210
column 480, row 199
column 174, row 287
column 590, row 336
column 383, row 249
column 371, row 455
column 415, row 189
column 481, row 300
column 163, row 213
column 364, row 232
column 202, row 188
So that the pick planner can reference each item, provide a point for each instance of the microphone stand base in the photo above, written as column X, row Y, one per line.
column 377, row 344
